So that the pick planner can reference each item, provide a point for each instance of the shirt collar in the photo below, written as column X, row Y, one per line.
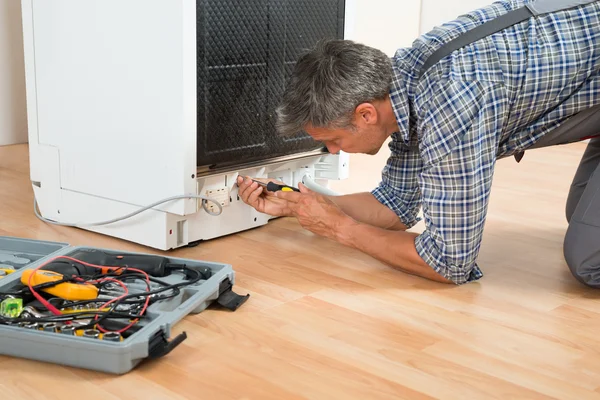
column 400, row 104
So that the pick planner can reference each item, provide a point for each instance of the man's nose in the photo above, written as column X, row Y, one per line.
column 333, row 149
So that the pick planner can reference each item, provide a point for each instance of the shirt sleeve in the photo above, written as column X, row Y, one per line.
column 399, row 186
column 459, row 148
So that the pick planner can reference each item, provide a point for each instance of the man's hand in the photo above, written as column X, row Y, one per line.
column 322, row 216
column 316, row 212
column 263, row 201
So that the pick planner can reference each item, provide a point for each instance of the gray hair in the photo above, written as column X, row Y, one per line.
column 329, row 82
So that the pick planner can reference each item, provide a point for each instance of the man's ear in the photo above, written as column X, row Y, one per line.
column 366, row 114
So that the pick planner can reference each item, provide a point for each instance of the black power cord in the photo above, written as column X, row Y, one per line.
column 193, row 281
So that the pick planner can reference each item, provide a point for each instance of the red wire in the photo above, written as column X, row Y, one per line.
column 114, row 300
column 49, row 306
column 56, row 311
column 120, row 297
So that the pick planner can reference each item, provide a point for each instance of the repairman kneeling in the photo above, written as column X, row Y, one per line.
column 509, row 77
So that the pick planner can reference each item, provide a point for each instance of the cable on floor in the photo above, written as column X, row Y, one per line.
column 111, row 221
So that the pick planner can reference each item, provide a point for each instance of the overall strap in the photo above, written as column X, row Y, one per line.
column 500, row 23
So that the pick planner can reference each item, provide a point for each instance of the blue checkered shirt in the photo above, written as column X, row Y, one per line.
column 491, row 99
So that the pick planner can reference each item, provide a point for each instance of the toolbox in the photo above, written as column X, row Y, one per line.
column 98, row 341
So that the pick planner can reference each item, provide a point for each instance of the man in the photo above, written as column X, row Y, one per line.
column 453, row 105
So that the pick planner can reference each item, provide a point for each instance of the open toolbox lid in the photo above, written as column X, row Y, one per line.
column 188, row 288
column 18, row 253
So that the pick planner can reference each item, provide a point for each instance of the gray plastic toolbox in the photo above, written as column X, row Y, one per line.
column 152, row 339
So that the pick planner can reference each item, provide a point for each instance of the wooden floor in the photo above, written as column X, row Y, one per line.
column 325, row 322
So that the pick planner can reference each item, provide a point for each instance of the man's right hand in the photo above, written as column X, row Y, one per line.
column 363, row 207
column 263, row 201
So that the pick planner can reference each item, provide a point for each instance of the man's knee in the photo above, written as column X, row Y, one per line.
column 572, row 200
column 582, row 241
column 582, row 253
column 588, row 164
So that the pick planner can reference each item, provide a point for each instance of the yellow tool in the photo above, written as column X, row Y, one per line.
column 275, row 187
column 64, row 290
column 5, row 271
column 83, row 311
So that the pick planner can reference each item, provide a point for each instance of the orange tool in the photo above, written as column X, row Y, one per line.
column 64, row 290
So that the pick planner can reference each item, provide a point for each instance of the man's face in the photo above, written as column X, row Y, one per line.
column 364, row 140
column 372, row 125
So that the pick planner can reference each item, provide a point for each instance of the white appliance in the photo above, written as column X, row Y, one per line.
column 114, row 106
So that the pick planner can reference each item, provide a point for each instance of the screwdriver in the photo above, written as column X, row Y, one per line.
column 156, row 266
column 275, row 187
column 153, row 265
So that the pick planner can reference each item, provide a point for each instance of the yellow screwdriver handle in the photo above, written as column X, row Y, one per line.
column 65, row 290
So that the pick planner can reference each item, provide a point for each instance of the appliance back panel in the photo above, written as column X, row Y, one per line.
column 246, row 52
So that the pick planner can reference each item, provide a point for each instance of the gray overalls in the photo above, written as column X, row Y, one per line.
column 582, row 240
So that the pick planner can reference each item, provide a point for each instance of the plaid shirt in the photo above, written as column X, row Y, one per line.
column 491, row 99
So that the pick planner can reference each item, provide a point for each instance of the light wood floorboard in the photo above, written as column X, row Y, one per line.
column 326, row 322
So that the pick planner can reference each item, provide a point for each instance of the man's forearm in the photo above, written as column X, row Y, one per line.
column 395, row 248
column 365, row 208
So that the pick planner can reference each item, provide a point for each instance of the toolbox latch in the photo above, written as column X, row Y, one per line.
column 228, row 298
column 159, row 346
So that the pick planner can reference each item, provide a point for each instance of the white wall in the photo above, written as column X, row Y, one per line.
column 13, row 112
column 437, row 12
column 385, row 24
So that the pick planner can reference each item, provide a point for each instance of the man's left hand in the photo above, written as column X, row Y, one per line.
column 316, row 212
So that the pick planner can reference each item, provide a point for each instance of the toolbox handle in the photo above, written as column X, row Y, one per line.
column 159, row 345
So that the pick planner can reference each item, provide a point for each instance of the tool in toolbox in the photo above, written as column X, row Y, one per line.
column 6, row 270
column 275, row 187
column 11, row 307
column 119, row 305
column 65, row 290
column 156, row 266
